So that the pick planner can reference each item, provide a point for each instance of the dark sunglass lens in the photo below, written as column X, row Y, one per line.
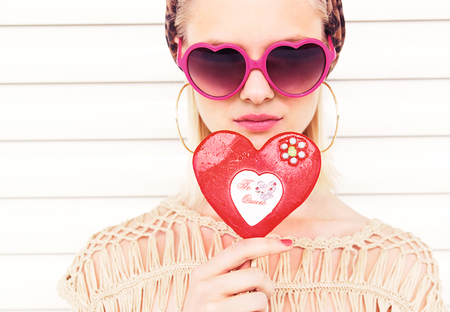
column 216, row 73
column 296, row 71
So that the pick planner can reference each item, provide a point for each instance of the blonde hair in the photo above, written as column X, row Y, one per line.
column 190, row 194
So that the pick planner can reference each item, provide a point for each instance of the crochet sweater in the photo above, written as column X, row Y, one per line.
column 376, row 269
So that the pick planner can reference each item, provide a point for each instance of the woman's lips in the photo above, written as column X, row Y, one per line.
column 257, row 123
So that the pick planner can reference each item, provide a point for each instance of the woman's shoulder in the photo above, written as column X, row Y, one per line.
column 372, row 233
column 113, row 253
column 160, row 218
column 122, row 253
column 378, row 261
column 384, row 237
column 394, row 248
column 403, row 263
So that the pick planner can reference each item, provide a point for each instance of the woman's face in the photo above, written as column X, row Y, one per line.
column 256, row 111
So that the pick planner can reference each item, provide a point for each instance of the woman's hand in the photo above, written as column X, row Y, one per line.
column 228, row 283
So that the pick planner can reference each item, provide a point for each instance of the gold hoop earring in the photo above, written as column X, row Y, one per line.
column 176, row 119
column 337, row 118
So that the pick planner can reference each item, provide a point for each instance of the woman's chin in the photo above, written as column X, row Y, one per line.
column 259, row 139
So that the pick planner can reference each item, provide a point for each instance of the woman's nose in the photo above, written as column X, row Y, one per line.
column 256, row 89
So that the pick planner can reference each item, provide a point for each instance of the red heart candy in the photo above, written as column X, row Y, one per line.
column 254, row 190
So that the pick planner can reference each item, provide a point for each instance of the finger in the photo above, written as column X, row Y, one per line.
column 247, row 264
column 237, row 282
column 238, row 253
column 247, row 302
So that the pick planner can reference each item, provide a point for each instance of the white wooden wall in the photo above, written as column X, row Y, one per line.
column 87, row 137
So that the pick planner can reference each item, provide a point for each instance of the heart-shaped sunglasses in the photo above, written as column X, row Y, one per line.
column 294, row 69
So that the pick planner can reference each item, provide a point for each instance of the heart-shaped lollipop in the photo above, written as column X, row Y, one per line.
column 254, row 190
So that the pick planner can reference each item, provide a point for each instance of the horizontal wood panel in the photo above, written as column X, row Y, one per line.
column 29, row 282
column 75, row 221
column 382, row 10
column 78, row 219
column 90, row 12
column 139, row 53
column 157, row 168
column 392, row 107
column 391, row 51
column 54, row 12
column 146, row 110
column 86, row 54
column 73, row 169
column 393, row 165
column 89, row 111
column 35, row 277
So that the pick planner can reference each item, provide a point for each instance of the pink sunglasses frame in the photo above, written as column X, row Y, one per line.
column 330, row 56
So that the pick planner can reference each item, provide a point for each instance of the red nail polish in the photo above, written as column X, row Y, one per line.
column 286, row 242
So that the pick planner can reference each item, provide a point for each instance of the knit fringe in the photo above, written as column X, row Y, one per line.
column 336, row 275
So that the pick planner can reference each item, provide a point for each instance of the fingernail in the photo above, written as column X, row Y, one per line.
column 286, row 242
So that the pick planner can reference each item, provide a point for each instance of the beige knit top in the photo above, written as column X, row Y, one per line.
column 144, row 264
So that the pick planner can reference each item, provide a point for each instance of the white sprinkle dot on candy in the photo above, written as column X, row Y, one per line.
column 285, row 155
column 292, row 141
column 301, row 145
column 301, row 154
column 284, row 146
column 293, row 160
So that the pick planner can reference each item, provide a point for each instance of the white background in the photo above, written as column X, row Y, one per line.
column 88, row 139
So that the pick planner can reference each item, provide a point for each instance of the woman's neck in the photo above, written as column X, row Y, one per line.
column 322, row 214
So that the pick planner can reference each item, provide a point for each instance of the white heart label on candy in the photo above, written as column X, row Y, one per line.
column 290, row 157
column 255, row 196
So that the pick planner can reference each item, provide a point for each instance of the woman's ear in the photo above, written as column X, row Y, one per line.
column 176, row 39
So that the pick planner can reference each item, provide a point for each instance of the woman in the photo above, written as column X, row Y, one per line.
column 322, row 257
